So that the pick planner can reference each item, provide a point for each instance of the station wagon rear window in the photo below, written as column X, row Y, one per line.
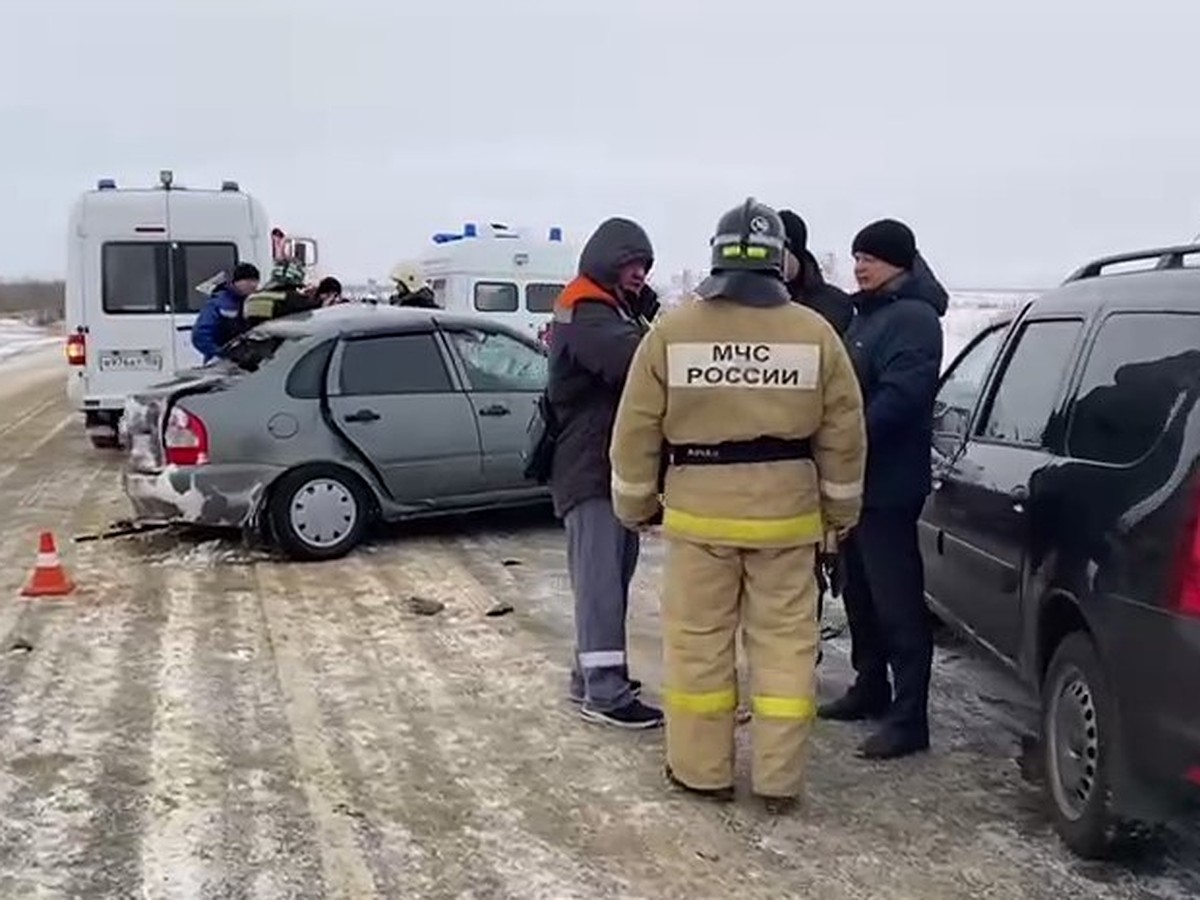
column 539, row 298
column 496, row 296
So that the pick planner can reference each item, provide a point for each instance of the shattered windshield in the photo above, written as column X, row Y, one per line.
column 249, row 351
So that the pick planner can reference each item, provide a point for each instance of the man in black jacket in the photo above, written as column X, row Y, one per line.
column 895, row 342
column 808, row 287
column 805, row 281
column 599, row 320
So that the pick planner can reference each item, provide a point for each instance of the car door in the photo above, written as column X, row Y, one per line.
column 958, row 396
column 503, row 377
column 983, row 495
column 394, row 398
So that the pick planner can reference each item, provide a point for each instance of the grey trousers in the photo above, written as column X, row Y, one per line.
column 602, row 555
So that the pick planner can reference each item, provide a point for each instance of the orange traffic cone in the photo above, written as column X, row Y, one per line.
column 49, row 578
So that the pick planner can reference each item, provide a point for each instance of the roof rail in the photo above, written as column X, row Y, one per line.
column 1168, row 258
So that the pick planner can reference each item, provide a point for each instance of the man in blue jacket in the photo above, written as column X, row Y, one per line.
column 895, row 341
column 221, row 319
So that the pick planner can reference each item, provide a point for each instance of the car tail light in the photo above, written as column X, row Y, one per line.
column 1193, row 774
column 1185, row 579
column 185, row 439
column 77, row 349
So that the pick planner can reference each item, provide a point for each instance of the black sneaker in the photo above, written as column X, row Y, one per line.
column 634, row 715
column 635, row 691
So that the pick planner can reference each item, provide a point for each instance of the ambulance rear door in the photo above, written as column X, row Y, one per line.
column 126, row 287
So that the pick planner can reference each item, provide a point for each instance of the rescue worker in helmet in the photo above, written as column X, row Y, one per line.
column 742, row 424
column 411, row 288
column 283, row 295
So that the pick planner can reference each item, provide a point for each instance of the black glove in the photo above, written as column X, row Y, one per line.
column 835, row 572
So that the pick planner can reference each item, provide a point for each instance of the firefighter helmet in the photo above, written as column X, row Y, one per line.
column 749, row 238
column 748, row 256
column 408, row 275
column 287, row 273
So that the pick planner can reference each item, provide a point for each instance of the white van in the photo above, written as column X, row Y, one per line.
column 506, row 273
column 140, row 265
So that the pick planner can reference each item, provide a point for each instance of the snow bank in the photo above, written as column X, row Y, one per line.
column 18, row 336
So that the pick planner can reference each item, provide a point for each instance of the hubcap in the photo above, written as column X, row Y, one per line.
column 323, row 512
column 1074, row 743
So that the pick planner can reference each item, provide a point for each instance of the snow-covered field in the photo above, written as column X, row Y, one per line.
column 969, row 312
column 17, row 337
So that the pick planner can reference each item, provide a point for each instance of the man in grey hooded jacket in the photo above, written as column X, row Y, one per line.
column 599, row 320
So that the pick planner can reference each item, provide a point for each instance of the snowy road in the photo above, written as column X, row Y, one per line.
column 201, row 721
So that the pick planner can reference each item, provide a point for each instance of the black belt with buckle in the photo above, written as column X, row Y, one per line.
column 755, row 450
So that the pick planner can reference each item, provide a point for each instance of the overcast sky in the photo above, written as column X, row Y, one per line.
column 1017, row 137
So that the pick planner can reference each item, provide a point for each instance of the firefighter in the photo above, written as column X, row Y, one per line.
column 283, row 295
column 411, row 288
column 741, row 423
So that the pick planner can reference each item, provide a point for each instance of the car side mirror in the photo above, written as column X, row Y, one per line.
column 303, row 250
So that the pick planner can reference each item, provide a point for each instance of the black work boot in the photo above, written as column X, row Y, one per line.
column 717, row 795
column 894, row 741
column 854, row 707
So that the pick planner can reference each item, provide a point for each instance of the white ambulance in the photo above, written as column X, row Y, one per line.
column 141, row 263
column 511, row 274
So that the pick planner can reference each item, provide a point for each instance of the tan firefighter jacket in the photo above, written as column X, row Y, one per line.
column 711, row 371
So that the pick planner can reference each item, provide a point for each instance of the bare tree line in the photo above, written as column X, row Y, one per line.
column 41, row 300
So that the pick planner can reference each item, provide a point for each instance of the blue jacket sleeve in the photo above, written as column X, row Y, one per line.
column 602, row 342
column 907, row 369
column 204, row 332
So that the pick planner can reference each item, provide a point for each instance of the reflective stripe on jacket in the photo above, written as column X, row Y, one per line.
column 716, row 370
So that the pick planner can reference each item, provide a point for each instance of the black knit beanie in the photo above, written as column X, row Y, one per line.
column 245, row 272
column 888, row 240
column 796, row 231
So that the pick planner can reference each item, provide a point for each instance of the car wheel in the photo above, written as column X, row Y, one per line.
column 318, row 513
column 1077, row 729
column 104, row 441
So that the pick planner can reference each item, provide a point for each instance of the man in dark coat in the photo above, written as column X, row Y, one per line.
column 807, row 285
column 895, row 342
column 599, row 320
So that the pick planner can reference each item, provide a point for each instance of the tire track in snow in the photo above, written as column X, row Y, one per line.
column 345, row 872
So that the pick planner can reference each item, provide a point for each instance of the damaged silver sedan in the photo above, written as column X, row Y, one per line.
column 318, row 424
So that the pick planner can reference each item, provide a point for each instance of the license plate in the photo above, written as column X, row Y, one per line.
column 130, row 361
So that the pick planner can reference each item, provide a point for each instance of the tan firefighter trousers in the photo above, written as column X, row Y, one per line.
column 772, row 593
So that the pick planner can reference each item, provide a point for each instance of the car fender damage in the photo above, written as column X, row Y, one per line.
column 229, row 498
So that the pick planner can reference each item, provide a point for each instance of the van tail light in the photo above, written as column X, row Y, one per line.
column 1185, row 578
column 185, row 439
column 543, row 334
column 77, row 349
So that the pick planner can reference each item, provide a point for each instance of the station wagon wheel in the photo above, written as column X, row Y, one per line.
column 318, row 512
column 1076, row 724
